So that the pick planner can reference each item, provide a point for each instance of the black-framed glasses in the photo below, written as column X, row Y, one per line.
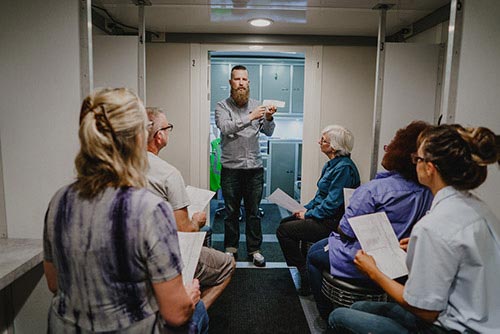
column 168, row 128
column 415, row 159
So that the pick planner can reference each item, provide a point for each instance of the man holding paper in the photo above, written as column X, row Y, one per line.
column 241, row 120
column 214, row 269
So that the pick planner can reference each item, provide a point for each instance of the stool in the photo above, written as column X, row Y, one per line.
column 342, row 293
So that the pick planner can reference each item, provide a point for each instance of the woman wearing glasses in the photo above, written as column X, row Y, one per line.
column 453, row 252
column 111, row 253
column 323, row 212
column 395, row 192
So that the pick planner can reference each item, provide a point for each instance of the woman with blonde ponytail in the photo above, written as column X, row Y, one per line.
column 453, row 252
column 111, row 253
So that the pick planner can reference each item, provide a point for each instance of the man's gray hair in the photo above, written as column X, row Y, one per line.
column 154, row 124
column 341, row 139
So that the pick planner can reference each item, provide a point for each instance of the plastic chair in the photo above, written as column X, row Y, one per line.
column 342, row 293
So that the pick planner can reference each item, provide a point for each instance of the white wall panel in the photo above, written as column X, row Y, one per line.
column 167, row 87
column 478, row 89
column 40, row 106
column 348, row 83
column 410, row 81
column 115, row 61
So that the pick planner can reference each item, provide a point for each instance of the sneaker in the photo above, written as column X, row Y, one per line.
column 234, row 255
column 258, row 260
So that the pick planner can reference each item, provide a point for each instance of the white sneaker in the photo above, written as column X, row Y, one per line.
column 233, row 255
column 258, row 260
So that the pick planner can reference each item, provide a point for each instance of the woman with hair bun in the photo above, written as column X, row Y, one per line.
column 453, row 251
column 111, row 252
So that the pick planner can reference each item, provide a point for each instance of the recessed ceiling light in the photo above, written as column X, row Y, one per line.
column 260, row 22
column 255, row 47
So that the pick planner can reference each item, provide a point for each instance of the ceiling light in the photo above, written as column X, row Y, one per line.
column 260, row 22
column 255, row 47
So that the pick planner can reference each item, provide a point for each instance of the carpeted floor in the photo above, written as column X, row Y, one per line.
column 271, row 251
column 270, row 220
column 258, row 301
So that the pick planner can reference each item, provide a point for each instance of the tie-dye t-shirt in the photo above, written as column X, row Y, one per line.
column 107, row 252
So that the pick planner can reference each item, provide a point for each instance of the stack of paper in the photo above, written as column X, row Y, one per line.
column 190, row 244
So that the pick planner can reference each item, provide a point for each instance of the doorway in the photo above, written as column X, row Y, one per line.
column 273, row 76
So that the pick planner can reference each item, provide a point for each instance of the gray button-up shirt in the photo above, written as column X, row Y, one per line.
column 240, row 136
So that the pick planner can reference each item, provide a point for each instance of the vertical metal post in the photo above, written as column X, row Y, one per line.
column 448, row 106
column 86, row 63
column 379, row 89
column 141, row 84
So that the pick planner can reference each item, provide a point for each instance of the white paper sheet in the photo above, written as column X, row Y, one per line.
column 284, row 200
column 377, row 238
column 276, row 103
column 347, row 196
column 190, row 244
column 199, row 199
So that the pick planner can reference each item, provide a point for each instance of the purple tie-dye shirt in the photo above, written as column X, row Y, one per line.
column 107, row 252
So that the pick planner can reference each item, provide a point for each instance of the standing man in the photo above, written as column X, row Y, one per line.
column 214, row 269
column 240, row 120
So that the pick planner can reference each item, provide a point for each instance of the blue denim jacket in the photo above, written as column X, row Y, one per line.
column 404, row 202
column 337, row 174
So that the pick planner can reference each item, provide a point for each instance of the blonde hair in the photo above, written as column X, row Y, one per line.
column 341, row 139
column 112, row 142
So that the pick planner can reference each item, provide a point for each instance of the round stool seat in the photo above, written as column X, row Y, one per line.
column 343, row 293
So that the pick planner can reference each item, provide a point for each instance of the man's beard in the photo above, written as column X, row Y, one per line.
column 240, row 95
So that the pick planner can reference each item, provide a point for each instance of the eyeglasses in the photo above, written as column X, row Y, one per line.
column 323, row 141
column 169, row 128
column 415, row 159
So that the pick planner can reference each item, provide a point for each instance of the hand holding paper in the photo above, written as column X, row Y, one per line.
column 199, row 199
column 282, row 199
column 377, row 238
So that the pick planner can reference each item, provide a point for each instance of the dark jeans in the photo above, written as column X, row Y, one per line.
column 379, row 317
column 318, row 260
column 246, row 184
column 292, row 230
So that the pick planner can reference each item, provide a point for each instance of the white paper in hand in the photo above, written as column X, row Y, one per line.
column 190, row 244
column 377, row 238
column 199, row 199
column 347, row 196
column 276, row 103
column 284, row 200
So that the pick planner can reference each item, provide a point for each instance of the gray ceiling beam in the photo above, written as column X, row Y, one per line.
column 266, row 39
column 438, row 16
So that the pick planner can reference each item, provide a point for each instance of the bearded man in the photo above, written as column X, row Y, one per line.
column 240, row 120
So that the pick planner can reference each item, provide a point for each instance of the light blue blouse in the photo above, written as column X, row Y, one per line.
column 454, row 262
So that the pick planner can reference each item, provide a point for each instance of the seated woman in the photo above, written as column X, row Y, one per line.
column 111, row 253
column 396, row 192
column 323, row 212
column 453, row 253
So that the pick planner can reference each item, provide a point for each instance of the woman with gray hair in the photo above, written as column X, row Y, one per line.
column 111, row 252
column 324, row 211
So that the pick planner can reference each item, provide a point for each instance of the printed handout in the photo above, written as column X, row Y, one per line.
column 284, row 200
column 190, row 244
column 377, row 238
column 276, row 103
column 199, row 199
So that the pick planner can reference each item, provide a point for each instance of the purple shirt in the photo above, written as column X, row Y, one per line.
column 404, row 202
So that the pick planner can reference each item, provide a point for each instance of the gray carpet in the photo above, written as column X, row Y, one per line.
column 258, row 301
